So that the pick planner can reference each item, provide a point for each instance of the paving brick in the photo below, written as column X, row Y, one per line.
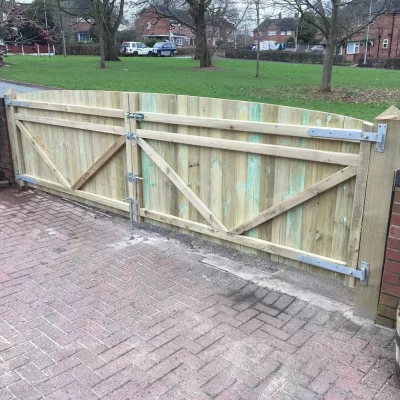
column 87, row 313
column 219, row 383
column 54, row 384
column 32, row 374
column 22, row 390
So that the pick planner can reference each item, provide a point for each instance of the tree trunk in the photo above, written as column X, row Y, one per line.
column 202, row 50
column 326, row 83
column 110, row 48
column 102, row 50
column 258, row 39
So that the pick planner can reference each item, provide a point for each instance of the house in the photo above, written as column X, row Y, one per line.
column 383, row 38
column 277, row 30
column 163, row 23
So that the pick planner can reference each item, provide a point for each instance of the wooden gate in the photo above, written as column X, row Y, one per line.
column 289, row 183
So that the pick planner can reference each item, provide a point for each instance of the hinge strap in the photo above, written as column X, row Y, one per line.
column 361, row 274
column 343, row 134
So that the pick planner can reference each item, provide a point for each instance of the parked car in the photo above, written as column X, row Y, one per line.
column 318, row 48
column 164, row 49
column 135, row 49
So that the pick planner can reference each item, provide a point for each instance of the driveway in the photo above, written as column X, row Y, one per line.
column 88, row 313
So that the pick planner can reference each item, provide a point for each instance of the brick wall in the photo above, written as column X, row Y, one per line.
column 390, row 290
column 6, row 166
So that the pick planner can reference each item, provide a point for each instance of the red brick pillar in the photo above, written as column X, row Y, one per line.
column 6, row 165
column 390, row 291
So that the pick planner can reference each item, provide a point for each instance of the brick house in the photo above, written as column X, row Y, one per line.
column 162, row 23
column 277, row 30
column 384, row 38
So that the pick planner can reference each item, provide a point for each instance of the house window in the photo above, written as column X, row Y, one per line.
column 353, row 47
column 187, row 41
column 178, row 41
column 288, row 33
column 83, row 37
column 385, row 43
column 272, row 33
column 148, row 25
column 283, row 33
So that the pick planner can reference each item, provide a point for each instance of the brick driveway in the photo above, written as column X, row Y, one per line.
column 87, row 314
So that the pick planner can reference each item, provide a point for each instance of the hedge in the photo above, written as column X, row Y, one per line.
column 282, row 56
column 82, row 49
column 390, row 63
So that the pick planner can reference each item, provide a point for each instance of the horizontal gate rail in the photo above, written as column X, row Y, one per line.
column 67, row 123
column 68, row 108
column 258, row 244
column 329, row 157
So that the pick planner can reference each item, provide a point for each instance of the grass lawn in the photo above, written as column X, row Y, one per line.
column 360, row 93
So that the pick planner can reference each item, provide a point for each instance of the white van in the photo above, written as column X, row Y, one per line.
column 135, row 49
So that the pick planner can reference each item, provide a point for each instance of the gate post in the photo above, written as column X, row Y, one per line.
column 377, row 212
column 15, row 138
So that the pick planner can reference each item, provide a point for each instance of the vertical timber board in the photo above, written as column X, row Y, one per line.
column 194, row 159
column 376, row 213
column 354, row 236
column 15, row 137
column 240, row 168
column 269, row 114
column 147, row 102
column 254, row 174
column 183, row 160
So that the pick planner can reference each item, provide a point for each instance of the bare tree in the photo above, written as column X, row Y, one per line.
column 106, row 16
column 206, row 18
column 15, row 24
column 337, row 20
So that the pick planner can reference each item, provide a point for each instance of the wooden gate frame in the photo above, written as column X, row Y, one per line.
column 373, row 190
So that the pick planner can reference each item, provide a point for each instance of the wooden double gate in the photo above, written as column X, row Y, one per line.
column 306, row 188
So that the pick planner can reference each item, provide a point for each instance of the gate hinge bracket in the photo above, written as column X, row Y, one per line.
column 16, row 103
column 134, row 177
column 346, row 134
column 25, row 178
column 135, row 116
column 132, row 136
column 361, row 274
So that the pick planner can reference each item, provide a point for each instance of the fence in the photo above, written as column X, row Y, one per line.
column 262, row 178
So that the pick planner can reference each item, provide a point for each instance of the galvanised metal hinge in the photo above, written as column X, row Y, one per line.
column 332, row 133
column 132, row 136
column 134, row 177
column 136, row 116
column 361, row 274
column 25, row 178
column 16, row 103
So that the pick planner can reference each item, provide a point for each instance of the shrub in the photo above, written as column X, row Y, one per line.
column 82, row 49
column 282, row 56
